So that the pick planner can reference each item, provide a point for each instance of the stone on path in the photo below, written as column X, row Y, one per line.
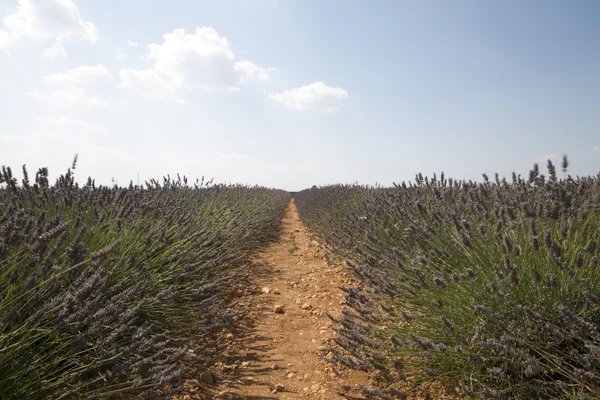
column 208, row 377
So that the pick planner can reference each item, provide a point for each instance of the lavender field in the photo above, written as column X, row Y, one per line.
column 326, row 256
column 469, row 289
column 474, row 289
column 101, row 288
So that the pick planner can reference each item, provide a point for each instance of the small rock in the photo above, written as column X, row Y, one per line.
column 188, row 357
column 279, row 388
column 278, row 309
column 208, row 377
column 322, row 348
column 276, row 291
column 274, row 366
column 266, row 290
column 298, row 301
column 315, row 387
column 230, row 336
column 306, row 306
column 291, row 375
column 245, row 364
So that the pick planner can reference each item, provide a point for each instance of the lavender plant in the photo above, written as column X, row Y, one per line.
column 490, row 287
column 102, row 287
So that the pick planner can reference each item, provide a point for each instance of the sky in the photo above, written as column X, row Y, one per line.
column 295, row 93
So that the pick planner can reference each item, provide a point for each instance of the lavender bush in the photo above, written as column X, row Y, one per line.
column 102, row 287
column 492, row 288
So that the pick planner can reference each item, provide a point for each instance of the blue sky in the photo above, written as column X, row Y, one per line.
column 294, row 93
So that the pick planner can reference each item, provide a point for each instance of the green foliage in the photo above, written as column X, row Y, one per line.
column 294, row 247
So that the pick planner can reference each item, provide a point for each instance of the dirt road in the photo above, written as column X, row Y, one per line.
column 291, row 329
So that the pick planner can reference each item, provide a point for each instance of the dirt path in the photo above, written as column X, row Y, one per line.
column 282, row 352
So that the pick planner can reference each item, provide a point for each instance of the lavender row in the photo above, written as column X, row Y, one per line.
column 101, row 288
column 485, row 289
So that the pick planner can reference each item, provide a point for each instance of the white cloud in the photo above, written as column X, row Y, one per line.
column 315, row 97
column 73, row 96
column 132, row 43
column 6, row 41
column 149, row 83
column 74, row 88
column 55, row 51
column 249, row 71
column 49, row 20
column 544, row 159
column 201, row 59
column 596, row 148
column 142, row 79
column 83, row 76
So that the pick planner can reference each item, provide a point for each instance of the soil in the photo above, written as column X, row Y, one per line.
column 279, row 355
column 299, row 281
